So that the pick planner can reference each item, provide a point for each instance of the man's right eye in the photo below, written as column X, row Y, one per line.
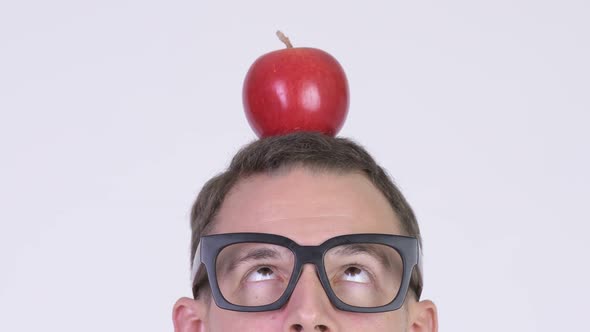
column 262, row 273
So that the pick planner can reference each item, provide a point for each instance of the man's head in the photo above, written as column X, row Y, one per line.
column 308, row 188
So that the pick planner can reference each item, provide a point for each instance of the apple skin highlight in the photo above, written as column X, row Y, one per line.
column 295, row 89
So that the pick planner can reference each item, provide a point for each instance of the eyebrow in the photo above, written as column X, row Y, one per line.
column 364, row 248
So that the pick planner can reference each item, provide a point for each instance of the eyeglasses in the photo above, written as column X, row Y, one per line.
column 254, row 272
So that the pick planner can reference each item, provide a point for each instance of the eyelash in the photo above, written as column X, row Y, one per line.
column 257, row 267
column 363, row 268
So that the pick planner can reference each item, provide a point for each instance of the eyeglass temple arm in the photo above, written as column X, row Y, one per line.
column 196, row 263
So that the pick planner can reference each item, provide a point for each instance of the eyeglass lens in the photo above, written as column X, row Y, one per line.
column 360, row 274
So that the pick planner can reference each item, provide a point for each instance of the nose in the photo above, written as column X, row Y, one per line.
column 309, row 308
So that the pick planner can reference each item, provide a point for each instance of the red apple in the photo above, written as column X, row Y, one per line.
column 295, row 89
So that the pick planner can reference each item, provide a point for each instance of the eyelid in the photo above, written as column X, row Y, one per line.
column 362, row 248
column 362, row 267
column 256, row 268
column 252, row 255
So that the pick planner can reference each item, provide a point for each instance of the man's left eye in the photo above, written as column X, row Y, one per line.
column 356, row 274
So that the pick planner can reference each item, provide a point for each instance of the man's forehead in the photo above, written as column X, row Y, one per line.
column 301, row 203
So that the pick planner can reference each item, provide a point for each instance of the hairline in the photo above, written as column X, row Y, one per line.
column 315, row 169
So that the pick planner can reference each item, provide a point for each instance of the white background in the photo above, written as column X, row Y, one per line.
column 114, row 113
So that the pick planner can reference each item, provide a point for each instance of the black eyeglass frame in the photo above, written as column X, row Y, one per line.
column 210, row 246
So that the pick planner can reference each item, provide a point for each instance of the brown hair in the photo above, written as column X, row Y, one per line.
column 311, row 150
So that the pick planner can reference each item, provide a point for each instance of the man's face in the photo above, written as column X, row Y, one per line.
column 309, row 208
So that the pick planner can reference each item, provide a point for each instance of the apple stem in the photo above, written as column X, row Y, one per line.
column 284, row 39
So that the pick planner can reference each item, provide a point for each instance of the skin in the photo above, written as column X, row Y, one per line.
column 308, row 207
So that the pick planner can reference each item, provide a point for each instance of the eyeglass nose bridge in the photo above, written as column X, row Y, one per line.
column 304, row 255
column 313, row 255
column 309, row 255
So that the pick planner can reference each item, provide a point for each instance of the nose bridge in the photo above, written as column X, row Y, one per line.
column 309, row 308
column 310, row 258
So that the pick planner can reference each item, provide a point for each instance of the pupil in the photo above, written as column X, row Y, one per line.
column 265, row 271
column 351, row 271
